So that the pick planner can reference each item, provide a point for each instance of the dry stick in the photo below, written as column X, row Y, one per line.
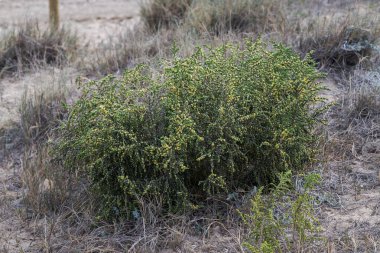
column 54, row 14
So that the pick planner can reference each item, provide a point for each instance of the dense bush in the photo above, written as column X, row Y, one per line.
column 221, row 119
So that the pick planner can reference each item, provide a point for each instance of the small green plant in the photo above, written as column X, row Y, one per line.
column 284, row 220
column 220, row 119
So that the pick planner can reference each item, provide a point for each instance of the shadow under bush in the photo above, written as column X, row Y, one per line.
column 216, row 121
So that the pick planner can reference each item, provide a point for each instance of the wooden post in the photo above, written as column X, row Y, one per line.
column 54, row 14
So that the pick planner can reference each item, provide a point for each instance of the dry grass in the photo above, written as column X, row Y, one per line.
column 29, row 46
column 79, row 231
column 140, row 46
column 354, row 120
column 219, row 17
column 351, row 180
column 129, row 49
column 340, row 41
column 40, row 113
column 158, row 14
column 47, row 187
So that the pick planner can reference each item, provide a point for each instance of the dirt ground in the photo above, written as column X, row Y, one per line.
column 350, row 198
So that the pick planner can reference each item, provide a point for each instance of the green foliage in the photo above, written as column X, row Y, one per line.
column 284, row 212
column 218, row 120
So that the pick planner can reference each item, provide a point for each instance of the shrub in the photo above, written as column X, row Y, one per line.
column 163, row 13
column 218, row 120
column 221, row 16
column 29, row 46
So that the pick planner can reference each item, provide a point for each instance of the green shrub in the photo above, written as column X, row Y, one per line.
column 285, row 220
column 218, row 120
column 163, row 13
column 221, row 16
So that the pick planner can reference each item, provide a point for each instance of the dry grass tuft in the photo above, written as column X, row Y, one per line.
column 47, row 187
column 361, row 103
column 365, row 103
column 343, row 42
column 76, row 229
column 158, row 14
column 40, row 113
column 217, row 17
column 28, row 47
column 129, row 49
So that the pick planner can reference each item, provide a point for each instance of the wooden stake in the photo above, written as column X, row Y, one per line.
column 54, row 14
